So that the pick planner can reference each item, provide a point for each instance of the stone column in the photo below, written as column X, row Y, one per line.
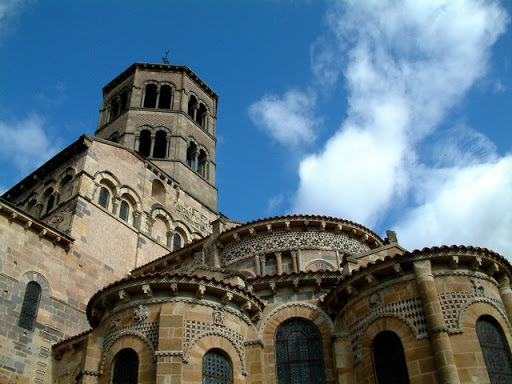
column 263, row 263
column 506, row 295
column 438, row 331
column 257, row 265
column 279, row 262
column 157, row 97
column 294, row 262
column 152, row 138
column 299, row 262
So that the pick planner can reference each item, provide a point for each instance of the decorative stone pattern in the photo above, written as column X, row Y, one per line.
column 281, row 240
column 455, row 303
column 148, row 332
column 140, row 313
column 195, row 330
column 409, row 310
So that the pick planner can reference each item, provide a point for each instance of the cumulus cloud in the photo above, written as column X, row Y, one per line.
column 24, row 143
column 405, row 64
column 288, row 119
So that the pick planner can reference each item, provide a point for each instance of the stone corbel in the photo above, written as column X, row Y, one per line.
column 322, row 226
column 174, row 289
column 287, row 226
column 351, row 290
column 476, row 263
column 269, row 228
column 492, row 269
column 454, row 262
column 147, row 290
column 236, row 237
column 397, row 268
column 228, row 296
column 246, row 306
column 252, row 232
column 370, row 279
column 201, row 289
column 123, row 295
column 338, row 229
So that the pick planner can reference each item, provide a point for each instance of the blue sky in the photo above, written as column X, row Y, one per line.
column 393, row 114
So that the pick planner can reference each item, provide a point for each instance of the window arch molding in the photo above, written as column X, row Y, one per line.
column 29, row 276
column 133, row 195
column 140, row 344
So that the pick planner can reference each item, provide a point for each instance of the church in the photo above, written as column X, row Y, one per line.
column 117, row 267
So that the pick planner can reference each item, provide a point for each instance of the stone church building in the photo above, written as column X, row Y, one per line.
column 116, row 267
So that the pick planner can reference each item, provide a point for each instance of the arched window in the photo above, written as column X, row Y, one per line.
column 123, row 100
column 150, row 96
column 124, row 210
column 126, row 367
column 31, row 300
column 145, row 142
column 217, row 368
column 165, row 97
column 202, row 164
column 114, row 107
column 158, row 191
column 201, row 116
column 299, row 356
column 176, row 242
column 160, row 150
column 104, row 197
column 389, row 359
column 192, row 156
column 192, row 107
column 495, row 350
column 51, row 203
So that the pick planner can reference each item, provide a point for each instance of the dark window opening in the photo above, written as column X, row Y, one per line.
column 150, row 96
column 30, row 305
column 176, row 242
column 495, row 350
column 126, row 367
column 217, row 368
column 201, row 116
column 123, row 100
column 104, row 197
column 114, row 108
column 299, row 356
column 160, row 150
column 114, row 137
column 202, row 167
column 191, row 156
column 145, row 142
column 50, row 204
column 124, row 210
column 192, row 106
column 389, row 359
column 165, row 97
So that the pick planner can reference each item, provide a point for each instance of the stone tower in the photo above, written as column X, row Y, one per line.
column 167, row 114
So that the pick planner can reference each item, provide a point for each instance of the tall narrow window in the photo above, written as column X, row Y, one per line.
column 202, row 164
column 126, row 367
column 192, row 155
column 160, row 150
column 495, row 350
column 104, row 197
column 145, row 142
column 201, row 116
column 217, row 368
column 389, row 359
column 31, row 300
column 50, row 204
column 124, row 210
column 299, row 357
column 176, row 242
column 123, row 100
column 150, row 96
column 192, row 107
column 165, row 97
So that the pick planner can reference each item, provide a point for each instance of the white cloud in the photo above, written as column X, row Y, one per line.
column 274, row 202
column 405, row 64
column 463, row 205
column 9, row 10
column 288, row 119
column 24, row 144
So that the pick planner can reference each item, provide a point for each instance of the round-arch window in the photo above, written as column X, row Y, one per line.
column 217, row 368
column 495, row 350
column 299, row 357
column 126, row 367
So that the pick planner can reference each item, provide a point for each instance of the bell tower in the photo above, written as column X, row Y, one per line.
column 167, row 114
